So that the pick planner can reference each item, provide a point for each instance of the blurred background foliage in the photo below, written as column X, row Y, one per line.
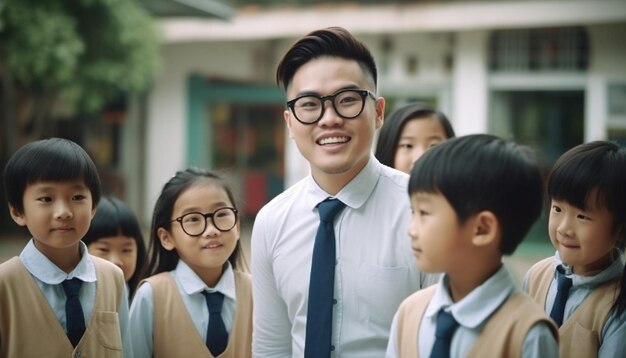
column 83, row 53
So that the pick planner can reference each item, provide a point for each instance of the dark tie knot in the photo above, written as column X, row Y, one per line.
column 72, row 287
column 446, row 325
column 563, row 282
column 329, row 208
column 214, row 301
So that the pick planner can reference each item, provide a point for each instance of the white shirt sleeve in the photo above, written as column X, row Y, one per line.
column 125, row 323
column 392, row 345
column 141, row 321
column 271, row 335
column 540, row 342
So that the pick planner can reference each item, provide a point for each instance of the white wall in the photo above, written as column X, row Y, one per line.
column 469, row 87
column 607, row 64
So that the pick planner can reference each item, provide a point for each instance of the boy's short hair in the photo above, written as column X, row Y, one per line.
column 483, row 172
column 53, row 159
column 597, row 165
column 330, row 42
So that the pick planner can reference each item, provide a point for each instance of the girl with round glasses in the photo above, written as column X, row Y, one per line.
column 196, row 300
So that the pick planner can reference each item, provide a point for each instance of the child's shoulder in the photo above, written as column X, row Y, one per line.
column 521, row 310
column 161, row 278
column 419, row 298
column 243, row 276
column 541, row 267
column 10, row 268
column 108, row 273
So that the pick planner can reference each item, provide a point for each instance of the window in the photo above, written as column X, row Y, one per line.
column 535, row 50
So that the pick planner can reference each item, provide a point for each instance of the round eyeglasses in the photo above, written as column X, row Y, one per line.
column 348, row 104
column 195, row 223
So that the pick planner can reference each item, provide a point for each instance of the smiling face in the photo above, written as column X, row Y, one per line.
column 417, row 136
column 120, row 250
column 336, row 148
column 584, row 238
column 438, row 240
column 207, row 253
column 57, row 214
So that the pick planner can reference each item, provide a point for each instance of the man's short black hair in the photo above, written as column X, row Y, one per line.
column 328, row 42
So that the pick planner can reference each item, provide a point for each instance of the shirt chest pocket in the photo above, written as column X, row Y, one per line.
column 380, row 290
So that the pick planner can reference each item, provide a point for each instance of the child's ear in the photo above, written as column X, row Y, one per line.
column 17, row 215
column 166, row 239
column 487, row 229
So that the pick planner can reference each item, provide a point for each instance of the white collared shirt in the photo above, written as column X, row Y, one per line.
column 472, row 313
column 48, row 277
column 375, row 267
column 614, row 331
column 190, row 287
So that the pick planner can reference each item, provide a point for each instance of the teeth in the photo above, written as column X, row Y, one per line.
column 333, row 140
column 212, row 246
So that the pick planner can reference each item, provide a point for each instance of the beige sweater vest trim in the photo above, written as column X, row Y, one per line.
column 581, row 334
column 174, row 332
column 502, row 336
column 29, row 327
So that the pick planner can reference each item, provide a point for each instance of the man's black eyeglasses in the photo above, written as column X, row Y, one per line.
column 348, row 104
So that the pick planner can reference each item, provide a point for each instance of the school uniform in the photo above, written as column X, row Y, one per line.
column 496, row 320
column 169, row 315
column 32, row 307
column 590, row 327
column 374, row 269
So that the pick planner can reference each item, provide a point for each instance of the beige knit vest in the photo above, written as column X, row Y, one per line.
column 581, row 334
column 29, row 327
column 174, row 332
column 502, row 336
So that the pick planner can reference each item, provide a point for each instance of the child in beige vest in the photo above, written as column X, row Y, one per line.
column 582, row 285
column 55, row 299
column 195, row 302
column 473, row 200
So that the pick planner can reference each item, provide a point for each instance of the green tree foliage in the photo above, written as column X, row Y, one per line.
column 84, row 52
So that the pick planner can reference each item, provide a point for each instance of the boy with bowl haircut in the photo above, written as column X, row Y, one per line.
column 55, row 299
column 473, row 198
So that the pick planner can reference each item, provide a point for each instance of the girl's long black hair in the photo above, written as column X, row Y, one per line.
column 161, row 260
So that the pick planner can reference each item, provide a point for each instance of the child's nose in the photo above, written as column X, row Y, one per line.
column 116, row 259
column 210, row 229
column 565, row 227
column 63, row 211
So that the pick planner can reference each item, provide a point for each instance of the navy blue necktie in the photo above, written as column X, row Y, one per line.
column 73, row 310
column 446, row 326
column 319, row 315
column 563, row 286
column 216, row 335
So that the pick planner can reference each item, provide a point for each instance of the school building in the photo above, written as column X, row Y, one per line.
column 547, row 73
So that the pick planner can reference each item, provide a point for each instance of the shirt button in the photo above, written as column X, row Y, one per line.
column 332, row 348
column 334, row 301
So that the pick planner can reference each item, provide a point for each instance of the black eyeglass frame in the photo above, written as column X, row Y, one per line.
column 362, row 92
column 206, row 216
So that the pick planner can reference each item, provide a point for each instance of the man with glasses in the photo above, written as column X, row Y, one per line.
column 331, row 259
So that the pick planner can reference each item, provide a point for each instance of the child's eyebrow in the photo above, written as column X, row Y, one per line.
column 52, row 186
